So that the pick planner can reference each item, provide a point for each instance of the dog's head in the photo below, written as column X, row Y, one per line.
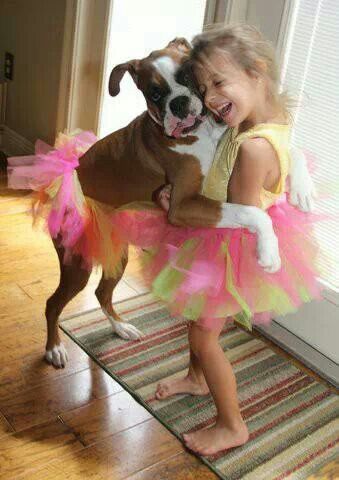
column 166, row 81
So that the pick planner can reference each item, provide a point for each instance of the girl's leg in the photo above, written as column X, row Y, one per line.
column 230, row 429
column 193, row 382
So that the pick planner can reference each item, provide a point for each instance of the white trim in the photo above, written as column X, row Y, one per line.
column 79, row 25
column 84, row 51
column 104, row 65
column 236, row 11
column 286, row 29
column 15, row 144
column 298, row 348
column 67, row 72
column 210, row 11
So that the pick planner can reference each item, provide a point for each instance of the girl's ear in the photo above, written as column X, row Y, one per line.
column 258, row 71
column 261, row 66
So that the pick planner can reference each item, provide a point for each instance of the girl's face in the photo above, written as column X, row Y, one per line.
column 229, row 91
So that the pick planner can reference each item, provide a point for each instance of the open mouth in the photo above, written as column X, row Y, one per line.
column 183, row 127
column 225, row 110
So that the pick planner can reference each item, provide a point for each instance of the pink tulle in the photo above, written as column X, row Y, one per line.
column 206, row 270
column 38, row 172
column 35, row 172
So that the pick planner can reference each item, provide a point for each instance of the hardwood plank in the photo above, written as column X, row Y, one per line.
column 53, row 471
column 24, row 451
column 183, row 466
column 10, row 206
column 118, row 456
column 105, row 417
column 42, row 403
column 5, row 427
column 24, row 372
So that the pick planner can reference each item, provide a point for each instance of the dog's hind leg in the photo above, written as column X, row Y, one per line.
column 73, row 279
column 104, row 293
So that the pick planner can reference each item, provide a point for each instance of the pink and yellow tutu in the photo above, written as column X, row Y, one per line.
column 203, row 274
column 79, row 224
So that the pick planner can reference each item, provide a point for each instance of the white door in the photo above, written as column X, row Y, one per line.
column 310, row 56
column 136, row 28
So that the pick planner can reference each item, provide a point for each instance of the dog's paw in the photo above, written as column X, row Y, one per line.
column 268, row 253
column 303, row 196
column 126, row 331
column 57, row 356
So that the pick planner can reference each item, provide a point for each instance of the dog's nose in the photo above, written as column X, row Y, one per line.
column 179, row 106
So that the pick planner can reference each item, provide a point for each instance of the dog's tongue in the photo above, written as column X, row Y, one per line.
column 182, row 124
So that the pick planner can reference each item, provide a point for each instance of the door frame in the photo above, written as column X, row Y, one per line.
column 83, row 61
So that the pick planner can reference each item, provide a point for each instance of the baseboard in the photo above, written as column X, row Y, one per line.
column 12, row 143
column 298, row 348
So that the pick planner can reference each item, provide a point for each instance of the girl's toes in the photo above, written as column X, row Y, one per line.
column 190, row 442
column 205, row 451
column 161, row 391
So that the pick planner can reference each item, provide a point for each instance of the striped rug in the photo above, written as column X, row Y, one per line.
column 292, row 419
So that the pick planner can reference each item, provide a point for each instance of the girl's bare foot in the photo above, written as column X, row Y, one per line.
column 219, row 437
column 187, row 384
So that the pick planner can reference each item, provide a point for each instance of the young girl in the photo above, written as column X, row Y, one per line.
column 207, row 275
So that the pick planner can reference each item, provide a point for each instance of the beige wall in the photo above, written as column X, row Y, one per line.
column 33, row 31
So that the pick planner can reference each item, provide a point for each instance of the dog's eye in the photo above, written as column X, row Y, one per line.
column 186, row 78
column 155, row 95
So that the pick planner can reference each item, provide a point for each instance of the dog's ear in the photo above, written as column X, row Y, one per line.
column 180, row 43
column 118, row 72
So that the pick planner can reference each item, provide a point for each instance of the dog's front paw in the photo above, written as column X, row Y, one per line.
column 127, row 331
column 302, row 195
column 268, row 253
column 57, row 356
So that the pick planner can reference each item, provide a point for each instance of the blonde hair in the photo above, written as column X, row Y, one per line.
column 250, row 50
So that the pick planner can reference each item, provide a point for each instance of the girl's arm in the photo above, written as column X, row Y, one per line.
column 256, row 161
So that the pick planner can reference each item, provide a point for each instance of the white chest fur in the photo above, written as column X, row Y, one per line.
column 208, row 135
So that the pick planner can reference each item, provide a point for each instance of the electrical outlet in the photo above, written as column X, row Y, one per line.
column 9, row 65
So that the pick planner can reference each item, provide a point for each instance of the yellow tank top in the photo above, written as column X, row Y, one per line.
column 216, row 181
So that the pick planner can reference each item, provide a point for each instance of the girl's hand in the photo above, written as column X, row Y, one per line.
column 163, row 197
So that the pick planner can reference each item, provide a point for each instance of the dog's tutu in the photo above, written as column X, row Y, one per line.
column 210, row 273
column 81, row 225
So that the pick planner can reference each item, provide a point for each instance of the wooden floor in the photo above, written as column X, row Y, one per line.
column 74, row 423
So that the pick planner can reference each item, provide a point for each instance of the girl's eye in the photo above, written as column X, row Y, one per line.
column 218, row 83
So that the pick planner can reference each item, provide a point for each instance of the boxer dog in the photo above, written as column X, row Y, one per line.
column 174, row 142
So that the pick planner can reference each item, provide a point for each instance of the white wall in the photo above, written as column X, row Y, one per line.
column 138, row 27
